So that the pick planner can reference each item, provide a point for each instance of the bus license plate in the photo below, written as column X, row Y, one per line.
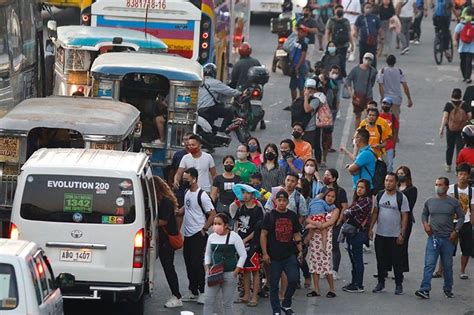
column 281, row 53
column 81, row 255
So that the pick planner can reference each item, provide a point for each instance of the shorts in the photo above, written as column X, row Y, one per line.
column 465, row 239
column 252, row 263
column 297, row 82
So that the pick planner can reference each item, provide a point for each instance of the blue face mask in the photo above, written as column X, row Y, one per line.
column 332, row 50
column 253, row 148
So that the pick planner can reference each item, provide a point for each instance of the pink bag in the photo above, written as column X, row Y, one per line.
column 324, row 114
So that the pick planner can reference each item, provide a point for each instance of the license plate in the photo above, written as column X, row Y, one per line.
column 281, row 53
column 255, row 102
column 81, row 255
column 273, row 6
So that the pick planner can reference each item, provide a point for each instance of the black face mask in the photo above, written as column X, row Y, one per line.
column 228, row 167
column 296, row 134
column 317, row 71
column 306, row 15
column 270, row 156
column 339, row 13
column 386, row 109
column 285, row 154
column 185, row 184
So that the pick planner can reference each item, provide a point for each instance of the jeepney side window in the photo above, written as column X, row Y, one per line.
column 28, row 31
column 14, row 37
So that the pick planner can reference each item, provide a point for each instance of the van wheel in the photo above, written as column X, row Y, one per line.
column 138, row 307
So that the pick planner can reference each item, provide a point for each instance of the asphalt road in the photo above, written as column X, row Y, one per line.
column 420, row 148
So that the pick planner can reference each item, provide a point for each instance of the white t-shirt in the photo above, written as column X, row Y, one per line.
column 463, row 200
column 353, row 6
column 202, row 164
column 194, row 218
column 407, row 10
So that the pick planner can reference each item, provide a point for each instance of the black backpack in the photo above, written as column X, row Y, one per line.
column 399, row 199
column 298, row 113
column 340, row 35
column 378, row 178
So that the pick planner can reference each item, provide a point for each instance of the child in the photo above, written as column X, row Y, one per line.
column 256, row 182
column 317, row 210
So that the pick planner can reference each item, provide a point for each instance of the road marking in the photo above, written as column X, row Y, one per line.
column 345, row 136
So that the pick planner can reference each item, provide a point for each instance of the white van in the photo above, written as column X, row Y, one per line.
column 27, row 284
column 94, row 212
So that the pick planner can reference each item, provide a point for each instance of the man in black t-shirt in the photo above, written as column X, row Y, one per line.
column 280, row 237
column 311, row 26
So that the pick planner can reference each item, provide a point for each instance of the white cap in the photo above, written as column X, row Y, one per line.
column 310, row 83
column 369, row 55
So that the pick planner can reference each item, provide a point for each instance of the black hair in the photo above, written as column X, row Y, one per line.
column 228, row 157
column 368, row 191
column 274, row 147
column 391, row 60
column 224, row 217
column 307, row 7
column 372, row 102
column 338, row 6
column 463, row 167
column 193, row 172
column 281, row 193
column 335, row 67
column 334, row 173
column 195, row 137
column 295, row 175
column 297, row 123
column 259, row 148
column 305, row 187
column 392, row 174
column 363, row 134
column 373, row 109
column 444, row 179
column 456, row 94
column 315, row 166
column 188, row 134
column 256, row 175
column 290, row 143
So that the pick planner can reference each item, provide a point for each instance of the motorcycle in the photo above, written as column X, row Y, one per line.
column 257, row 78
column 282, row 26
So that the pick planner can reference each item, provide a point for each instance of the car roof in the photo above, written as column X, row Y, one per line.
column 88, row 116
column 92, row 38
column 87, row 159
column 172, row 67
column 10, row 247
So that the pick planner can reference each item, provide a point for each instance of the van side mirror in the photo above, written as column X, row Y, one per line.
column 65, row 280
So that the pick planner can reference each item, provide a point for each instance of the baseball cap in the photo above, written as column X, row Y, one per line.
column 369, row 55
column 387, row 100
column 310, row 83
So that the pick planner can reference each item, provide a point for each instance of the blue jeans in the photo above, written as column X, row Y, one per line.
column 354, row 249
column 292, row 270
column 445, row 249
column 390, row 157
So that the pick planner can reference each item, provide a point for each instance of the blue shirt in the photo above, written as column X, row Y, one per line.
column 365, row 160
column 367, row 25
column 319, row 206
column 297, row 162
column 464, row 47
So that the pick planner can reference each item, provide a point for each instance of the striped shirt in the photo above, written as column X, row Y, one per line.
column 273, row 177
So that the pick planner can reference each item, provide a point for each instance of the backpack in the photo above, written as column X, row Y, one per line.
column 199, row 198
column 340, row 35
column 324, row 113
column 399, row 199
column 467, row 33
column 457, row 118
column 379, row 129
column 378, row 178
column 298, row 114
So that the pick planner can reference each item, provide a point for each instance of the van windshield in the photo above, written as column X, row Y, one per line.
column 78, row 199
column 8, row 287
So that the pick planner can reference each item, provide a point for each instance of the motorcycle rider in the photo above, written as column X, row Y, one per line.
column 210, row 98
column 239, row 75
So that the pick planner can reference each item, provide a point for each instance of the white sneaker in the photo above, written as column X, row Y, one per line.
column 200, row 299
column 447, row 168
column 173, row 302
column 351, row 57
column 416, row 42
column 190, row 297
column 367, row 249
column 157, row 141
column 335, row 275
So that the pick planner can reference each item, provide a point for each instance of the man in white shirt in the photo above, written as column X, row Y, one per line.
column 464, row 193
column 405, row 9
column 352, row 10
column 202, row 161
column 199, row 215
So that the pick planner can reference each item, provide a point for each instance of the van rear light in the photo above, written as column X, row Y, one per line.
column 14, row 233
column 39, row 268
column 138, row 249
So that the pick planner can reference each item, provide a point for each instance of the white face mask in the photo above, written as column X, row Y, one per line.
column 334, row 76
column 367, row 62
column 241, row 155
column 308, row 169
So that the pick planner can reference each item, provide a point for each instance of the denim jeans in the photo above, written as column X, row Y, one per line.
column 291, row 268
column 390, row 157
column 354, row 248
column 445, row 249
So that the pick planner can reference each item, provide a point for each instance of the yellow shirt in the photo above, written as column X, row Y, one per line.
column 375, row 137
column 303, row 150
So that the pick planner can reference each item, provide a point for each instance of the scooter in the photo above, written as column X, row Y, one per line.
column 282, row 26
column 257, row 78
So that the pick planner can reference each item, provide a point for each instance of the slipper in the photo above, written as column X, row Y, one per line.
column 463, row 276
column 241, row 301
column 313, row 294
column 331, row 295
column 437, row 275
column 252, row 303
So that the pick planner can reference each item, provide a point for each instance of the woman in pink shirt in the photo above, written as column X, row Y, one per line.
column 255, row 151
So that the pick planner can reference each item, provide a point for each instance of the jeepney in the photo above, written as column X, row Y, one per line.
column 59, row 122
column 147, row 81
column 76, row 47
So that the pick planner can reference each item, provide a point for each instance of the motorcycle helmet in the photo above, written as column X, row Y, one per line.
column 245, row 49
column 210, row 70
column 468, row 135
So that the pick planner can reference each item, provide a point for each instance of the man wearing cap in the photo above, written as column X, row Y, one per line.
column 360, row 82
column 280, row 240
column 392, row 121
column 391, row 80
column 312, row 100
column 298, row 63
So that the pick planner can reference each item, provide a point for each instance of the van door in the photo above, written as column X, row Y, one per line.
column 152, row 232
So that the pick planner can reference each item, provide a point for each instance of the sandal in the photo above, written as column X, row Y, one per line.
column 241, row 301
column 312, row 294
column 252, row 303
column 463, row 276
column 331, row 295
column 437, row 275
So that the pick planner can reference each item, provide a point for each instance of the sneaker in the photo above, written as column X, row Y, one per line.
column 412, row 41
column 416, row 42
column 468, row 81
column 173, row 302
column 335, row 275
column 157, row 141
column 351, row 57
column 200, row 299
column 352, row 288
column 366, row 249
column 405, row 51
column 447, row 168
column 399, row 290
column 191, row 297
column 287, row 108
column 448, row 294
column 287, row 310
column 379, row 288
column 423, row 294
column 463, row 276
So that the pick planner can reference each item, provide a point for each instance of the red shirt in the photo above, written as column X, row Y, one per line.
column 466, row 156
column 393, row 123
column 257, row 160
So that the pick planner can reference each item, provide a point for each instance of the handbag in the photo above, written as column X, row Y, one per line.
column 215, row 275
column 176, row 241
column 345, row 92
column 371, row 39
